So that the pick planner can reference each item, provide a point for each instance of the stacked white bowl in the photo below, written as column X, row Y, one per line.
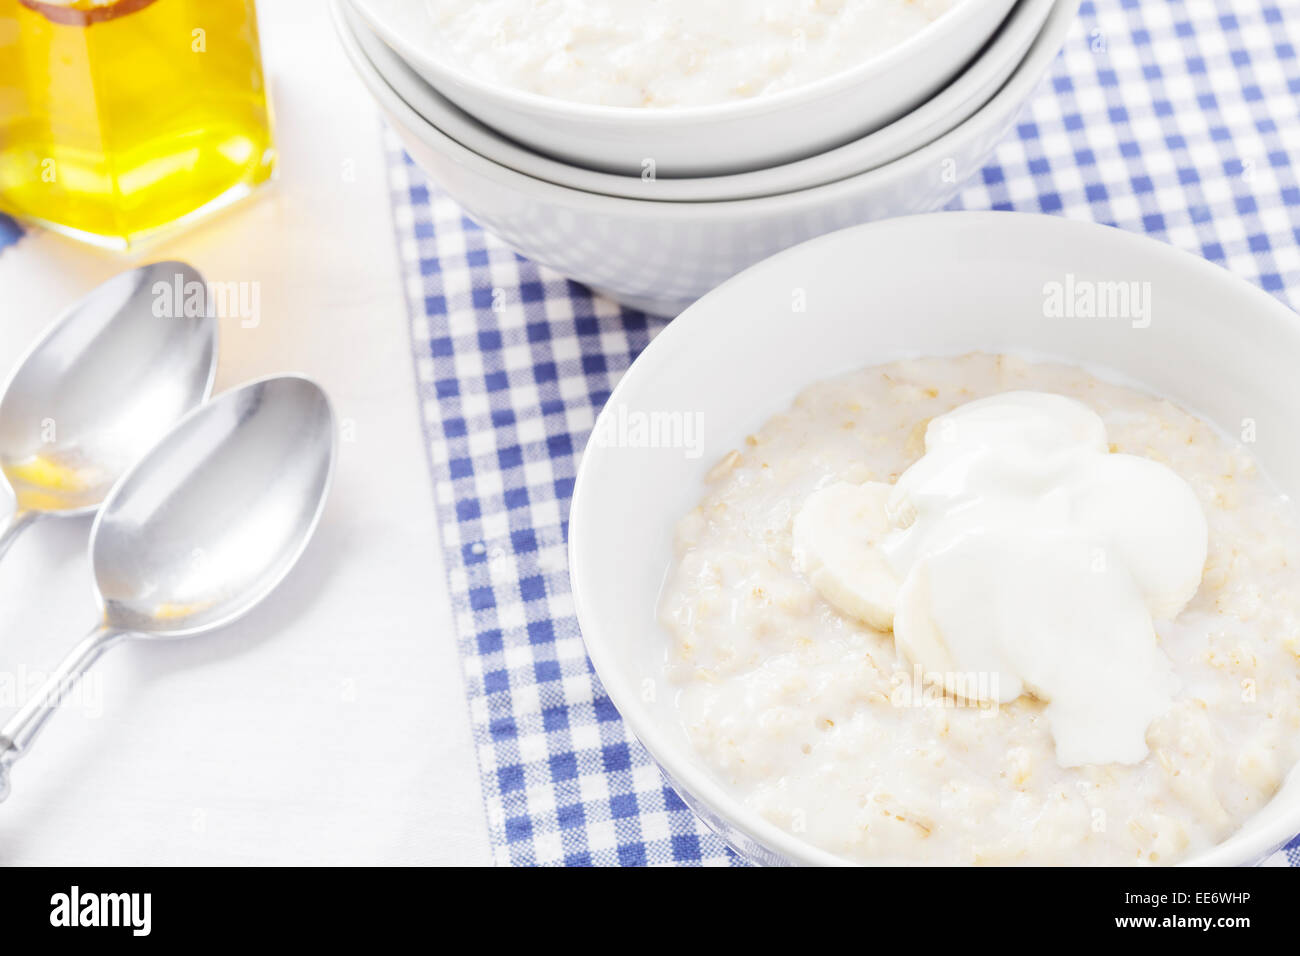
column 656, row 206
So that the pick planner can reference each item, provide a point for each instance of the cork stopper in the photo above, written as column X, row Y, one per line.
column 84, row 13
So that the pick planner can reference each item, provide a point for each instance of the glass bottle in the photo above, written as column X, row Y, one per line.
column 120, row 119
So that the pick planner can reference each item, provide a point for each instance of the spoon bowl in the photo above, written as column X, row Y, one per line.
column 215, row 515
column 112, row 374
column 200, row 530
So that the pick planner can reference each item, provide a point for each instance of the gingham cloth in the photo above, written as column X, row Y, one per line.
column 9, row 231
column 1177, row 119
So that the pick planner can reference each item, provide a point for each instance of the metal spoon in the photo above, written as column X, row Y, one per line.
column 101, row 386
column 200, row 530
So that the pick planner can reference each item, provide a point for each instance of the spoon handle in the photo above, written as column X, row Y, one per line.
column 13, row 526
column 18, row 735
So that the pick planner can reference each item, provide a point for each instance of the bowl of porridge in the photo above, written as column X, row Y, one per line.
column 685, row 87
column 948, row 108
column 966, row 538
column 660, row 256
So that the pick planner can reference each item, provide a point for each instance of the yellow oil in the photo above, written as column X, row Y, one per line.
column 121, row 118
column 62, row 482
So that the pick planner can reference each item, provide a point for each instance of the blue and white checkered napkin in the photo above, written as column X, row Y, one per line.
column 10, row 231
column 1177, row 119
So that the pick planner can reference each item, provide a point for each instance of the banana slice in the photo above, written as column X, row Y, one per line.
column 978, row 678
column 1000, row 614
column 837, row 536
column 916, row 635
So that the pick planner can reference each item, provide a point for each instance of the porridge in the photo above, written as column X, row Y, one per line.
column 978, row 610
column 660, row 53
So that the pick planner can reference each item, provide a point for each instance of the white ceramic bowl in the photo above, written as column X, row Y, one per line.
column 942, row 284
column 710, row 140
column 950, row 107
column 661, row 256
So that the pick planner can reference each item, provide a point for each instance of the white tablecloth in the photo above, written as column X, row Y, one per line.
column 330, row 725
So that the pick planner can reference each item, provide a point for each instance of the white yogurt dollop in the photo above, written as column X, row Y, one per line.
column 1024, row 554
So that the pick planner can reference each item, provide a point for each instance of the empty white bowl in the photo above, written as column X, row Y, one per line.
column 708, row 140
column 950, row 107
column 943, row 284
column 661, row 256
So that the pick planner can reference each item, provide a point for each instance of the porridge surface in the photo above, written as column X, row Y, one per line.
column 822, row 726
column 660, row 53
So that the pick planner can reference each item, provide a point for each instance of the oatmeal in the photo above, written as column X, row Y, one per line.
column 659, row 53
column 1018, row 555
column 800, row 700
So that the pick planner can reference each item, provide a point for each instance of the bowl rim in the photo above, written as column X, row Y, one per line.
column 930, row 120
column 950, row 23
column 697, row 781
column 1017, row 89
